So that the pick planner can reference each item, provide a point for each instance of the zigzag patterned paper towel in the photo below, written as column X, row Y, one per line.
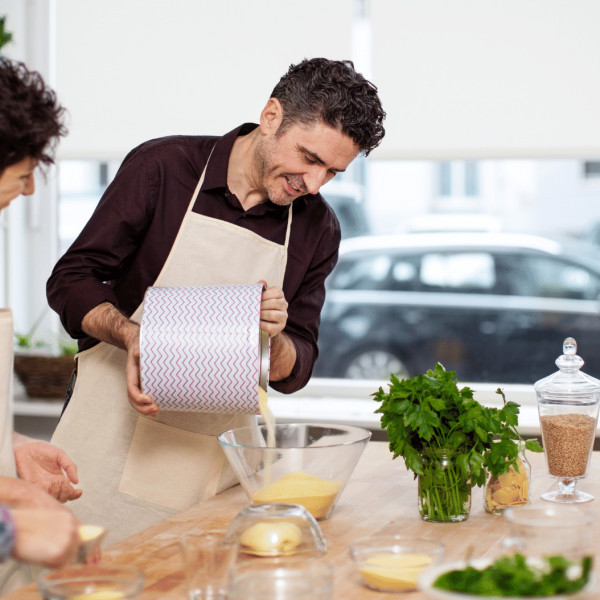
column 200, row 347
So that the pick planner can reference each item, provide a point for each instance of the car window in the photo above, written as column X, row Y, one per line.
column 459, row 272
column 404, row 274
column 362, row 273
column 351, row 215
column 552, row 278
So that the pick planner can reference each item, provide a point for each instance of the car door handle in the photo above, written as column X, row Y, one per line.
column 488, row 327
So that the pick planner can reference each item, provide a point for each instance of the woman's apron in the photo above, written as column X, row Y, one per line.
column 136, row 471
column 12, row 574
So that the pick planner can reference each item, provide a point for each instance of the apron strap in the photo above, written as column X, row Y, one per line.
column 200, row 182
column 289, row 228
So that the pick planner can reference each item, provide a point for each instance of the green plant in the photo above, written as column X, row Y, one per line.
column 430, row 412
column 513, row 576
column 68, row 348
column 24, row 341
column 5, row 36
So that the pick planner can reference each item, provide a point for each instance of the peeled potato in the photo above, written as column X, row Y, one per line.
column 272, row 538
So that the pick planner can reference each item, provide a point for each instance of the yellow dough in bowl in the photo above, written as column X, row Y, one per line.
column 271, row 539
column 315, row 494
column 394, row 571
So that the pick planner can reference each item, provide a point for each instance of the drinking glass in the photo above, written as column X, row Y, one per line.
column 207, row 557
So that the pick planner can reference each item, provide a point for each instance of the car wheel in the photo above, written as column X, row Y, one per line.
column 375, row 364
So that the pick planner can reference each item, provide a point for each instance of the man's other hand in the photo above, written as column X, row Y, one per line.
column 45, row 537
column 106, row 323
column 273, row 310
column 44, row 466
column 141, row 402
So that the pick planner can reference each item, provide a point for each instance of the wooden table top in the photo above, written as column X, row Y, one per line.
column 381, row 498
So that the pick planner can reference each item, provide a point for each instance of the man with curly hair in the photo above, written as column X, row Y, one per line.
column 203, row 210
column 34, row 527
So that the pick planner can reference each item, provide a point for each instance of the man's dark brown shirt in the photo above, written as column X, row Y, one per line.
column 125, row 244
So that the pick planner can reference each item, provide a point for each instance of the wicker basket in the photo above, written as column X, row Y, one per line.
column 44, row 376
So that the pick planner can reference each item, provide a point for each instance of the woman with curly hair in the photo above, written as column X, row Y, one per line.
column 34, row 527
column 30, row 127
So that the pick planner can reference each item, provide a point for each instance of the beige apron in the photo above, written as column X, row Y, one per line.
column 136, row 471
column 12, row 575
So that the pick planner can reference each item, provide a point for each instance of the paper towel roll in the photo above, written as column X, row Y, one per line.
column 200, row 348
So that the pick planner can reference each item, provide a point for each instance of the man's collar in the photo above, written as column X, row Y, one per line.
column 216, row 176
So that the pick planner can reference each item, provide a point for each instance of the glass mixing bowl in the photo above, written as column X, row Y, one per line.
column 309, row 465
column 277, row 530
column 91, row 582
column 393, row 563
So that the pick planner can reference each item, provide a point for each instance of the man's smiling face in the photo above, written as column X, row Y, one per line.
column 301, row 160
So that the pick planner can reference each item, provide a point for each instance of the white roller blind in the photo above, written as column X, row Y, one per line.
column 488, row 78
column 131, row 70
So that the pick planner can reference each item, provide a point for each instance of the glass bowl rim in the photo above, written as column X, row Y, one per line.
column 293, row 566
column 526, row 515
column 347, row 428
column 405, row 542
column 128, row 574
column 285, row 507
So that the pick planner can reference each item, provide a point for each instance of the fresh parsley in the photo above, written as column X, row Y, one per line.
column 514, row 576
column 428, row 414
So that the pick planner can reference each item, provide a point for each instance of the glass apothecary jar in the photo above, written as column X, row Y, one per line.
column 510, row 489
column 568, row 403
column 546, row 530
column 444, row 491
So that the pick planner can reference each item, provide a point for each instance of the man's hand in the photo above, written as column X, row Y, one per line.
column 273, row 310
column 45, row 537
column 273, row 318
column 141, row 402
column 44, row 466
column 108, row 324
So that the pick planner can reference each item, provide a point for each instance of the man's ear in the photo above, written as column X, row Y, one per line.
column 271, row 117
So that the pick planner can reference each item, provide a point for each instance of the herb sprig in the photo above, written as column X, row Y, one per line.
column 513, row 576
column 429, row 411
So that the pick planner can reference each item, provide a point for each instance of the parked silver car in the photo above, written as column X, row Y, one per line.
column 491, row 306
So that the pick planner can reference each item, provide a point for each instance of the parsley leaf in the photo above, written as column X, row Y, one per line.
column 514, row 576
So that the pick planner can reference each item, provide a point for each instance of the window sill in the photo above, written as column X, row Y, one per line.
column 349, row 402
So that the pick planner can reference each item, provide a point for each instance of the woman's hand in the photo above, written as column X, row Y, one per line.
column 45, row 537
column 44, row 466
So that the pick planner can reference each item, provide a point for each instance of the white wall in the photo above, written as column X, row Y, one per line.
column 484, row 78
column 131, row 70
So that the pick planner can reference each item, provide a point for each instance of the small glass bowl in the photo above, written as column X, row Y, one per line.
column 310, row 464
column 393, row 563
column 91, row 582
column 276, row 530
column 271, row 579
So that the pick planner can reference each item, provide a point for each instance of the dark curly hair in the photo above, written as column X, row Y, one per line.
column 30, row 116
column 332, row 92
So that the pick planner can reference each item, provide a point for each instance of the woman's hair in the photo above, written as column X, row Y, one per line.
column 331, row 92
column 30, row 116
